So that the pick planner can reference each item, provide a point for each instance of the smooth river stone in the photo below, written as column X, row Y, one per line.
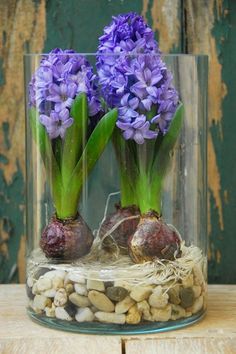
column 134, row 315
column 79, row 300
column 187, row 297
column 95, row 285
column 61, row 314
column 75, row 277
column 177, row 312
column 124, row 305
column 158, row 300
column 161, row 314
column 84, row 315
column 60, row 298
column 140, row 293
column 116, row 293
column 174, row 295
column 81, row 289
column 101, row 301
column 44, row 284
column 41, row 301
column 198, row 304
column 108, row 317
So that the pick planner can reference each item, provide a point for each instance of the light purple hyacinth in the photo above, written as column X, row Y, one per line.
column 61, row 76
column 134, row 78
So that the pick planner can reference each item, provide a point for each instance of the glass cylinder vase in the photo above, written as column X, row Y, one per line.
column 116, row 223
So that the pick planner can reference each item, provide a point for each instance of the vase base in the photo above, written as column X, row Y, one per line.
column 114, row 329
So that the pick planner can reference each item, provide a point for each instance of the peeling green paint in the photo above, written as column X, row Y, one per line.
column 3, row 159
column 5, row 130
column 225, row 33
column 11, row 211
column 2, row 76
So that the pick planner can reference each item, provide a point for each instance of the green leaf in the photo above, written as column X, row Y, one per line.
column 92, row 151
column 154, row 160
column 38, row 131
column 162, row 160
column 75, row 138
column 126, row 157
column 166, row 143
column 44, row 144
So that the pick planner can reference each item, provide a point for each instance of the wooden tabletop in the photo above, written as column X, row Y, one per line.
column 216, row 333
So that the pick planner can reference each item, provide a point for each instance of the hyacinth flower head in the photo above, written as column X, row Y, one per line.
column 71, row 131
column 135, row 79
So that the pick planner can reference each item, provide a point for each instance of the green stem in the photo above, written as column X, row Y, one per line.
column 148, row 193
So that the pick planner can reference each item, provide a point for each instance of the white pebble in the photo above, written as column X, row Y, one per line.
column 84, row 315
column 50, row 311
column 197, row 290
column 44, row 284
column 81, row 289
column 124, row 305
column 41, row 301
column 198, row 304
column 161, row 314
column 95, row 285
column 35, row 289
column 140, row 293
column 76, row 277
column 199, row 278
column 158, row 300
column 57, row 282
column 177, row 312
column 30, row 282
column 108, row 317
column 50, row 293
column 187, row 282
column 61, row 314
column 60, row 298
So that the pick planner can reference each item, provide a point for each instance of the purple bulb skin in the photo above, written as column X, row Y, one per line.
column 153, row 239
column 123, row 232
column 67, row 239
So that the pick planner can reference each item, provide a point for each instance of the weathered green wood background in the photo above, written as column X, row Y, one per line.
column 191, row 26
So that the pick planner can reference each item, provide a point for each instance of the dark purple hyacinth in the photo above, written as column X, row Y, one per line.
column 134, row 78
column 61, row 76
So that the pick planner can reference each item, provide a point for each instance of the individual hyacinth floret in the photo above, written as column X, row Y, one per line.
column 135, row 79
column 61, row 76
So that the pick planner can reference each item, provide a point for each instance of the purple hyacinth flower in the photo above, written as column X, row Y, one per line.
column 138, row 130
column 61, row 76
column 57, row 123
column 135, row 79
column 62, row 95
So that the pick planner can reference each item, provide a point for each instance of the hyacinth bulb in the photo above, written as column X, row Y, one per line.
column 126, row 226
column 153, row 239
column 66, row 239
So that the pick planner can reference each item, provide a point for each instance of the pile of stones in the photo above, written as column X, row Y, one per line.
column 69, row 296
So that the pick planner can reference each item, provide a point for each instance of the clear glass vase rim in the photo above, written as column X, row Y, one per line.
column 177, row 55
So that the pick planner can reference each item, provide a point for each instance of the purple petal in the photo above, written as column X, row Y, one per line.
column 134, row 102
column 128, row 134
column 64, row 114
column 155, row 118
column 71, row 90
column 150, row 134
column 138, row 137
column 152, row 90
column 147, row 103
column 147, row 74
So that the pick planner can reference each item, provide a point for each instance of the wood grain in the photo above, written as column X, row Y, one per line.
column 214, row 334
